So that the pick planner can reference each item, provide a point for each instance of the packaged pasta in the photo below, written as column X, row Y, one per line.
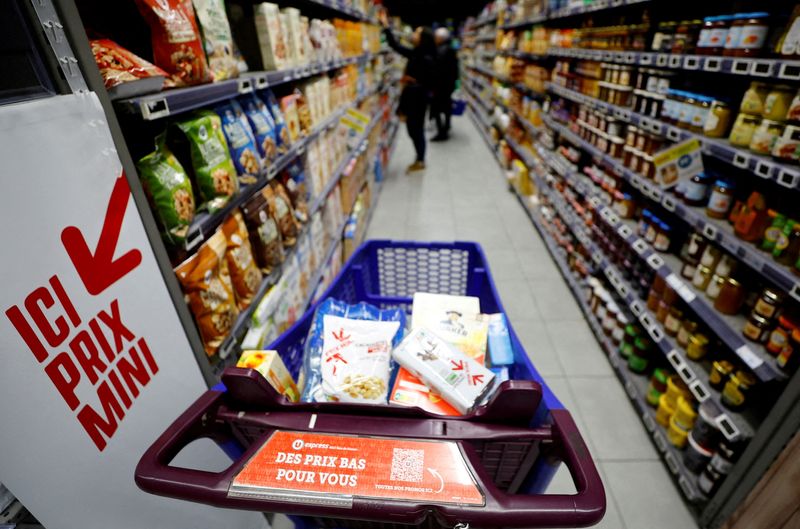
column 212, row 167
column 263, row 126
column 207, row 286
column 241, row 141
column 244, row 272
column 217, row 38
column 169, row 191
column 281, row 208
column 177, row 47
column 265, row 236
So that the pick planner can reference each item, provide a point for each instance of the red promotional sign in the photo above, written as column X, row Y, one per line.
column 353, row 466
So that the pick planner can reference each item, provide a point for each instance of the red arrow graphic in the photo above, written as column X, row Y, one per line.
column 457, row 366
column 475, row 379
column 99, row 270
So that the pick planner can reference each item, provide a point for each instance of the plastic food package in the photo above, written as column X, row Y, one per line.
column 217, row 38
column 459, row 379
column 337, row 363
column 212, row 166
column 241, row 141
column 289, row 109
column 207, row 286
column 169, row 191
column 281, row 132
column 292, row 30
column 265, row 236
column 454, row 319
column 266, row 308
column 281, row 208
column 294, row 181
column 119, row 66
column 499, row 341
column 408, row 390
column 245, row 275
column 270, row 365
column 270, row 36
column 177, row 47
column 263, row 126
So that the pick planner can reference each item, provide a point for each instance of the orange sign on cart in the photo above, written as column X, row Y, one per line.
column 332, row 469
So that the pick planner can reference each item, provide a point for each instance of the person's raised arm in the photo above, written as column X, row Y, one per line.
column 390, row 40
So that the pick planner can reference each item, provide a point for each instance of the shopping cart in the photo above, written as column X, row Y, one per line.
column 511, row 445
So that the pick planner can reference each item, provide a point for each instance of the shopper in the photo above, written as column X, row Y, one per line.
column 417, row 85
column 446, row 75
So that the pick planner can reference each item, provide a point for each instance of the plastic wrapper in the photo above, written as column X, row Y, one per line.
column 281, row 209
column 262, row 125
column 118, row 65
column 294, row 181
column 177, row 45
column 241, row 141
column 245, row 274
column 337, row 363
column 265, row 236
column 217, row 38
column 169, row 190
column 281, row 131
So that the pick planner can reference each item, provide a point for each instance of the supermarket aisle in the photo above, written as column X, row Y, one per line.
column 462, row 196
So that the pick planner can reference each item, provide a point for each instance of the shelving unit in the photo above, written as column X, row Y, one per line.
column 572, row 11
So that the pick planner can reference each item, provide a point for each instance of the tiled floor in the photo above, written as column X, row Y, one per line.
column 462, row 196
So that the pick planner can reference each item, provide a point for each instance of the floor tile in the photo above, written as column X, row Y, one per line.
column 537, row 264
column 504, row 265
column 536, row 341
column 576, row 346
column 517, row 300
column 555, row 298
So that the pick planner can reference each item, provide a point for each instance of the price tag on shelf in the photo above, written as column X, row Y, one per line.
column 699, row 391
column 741, row 66
column 623, row 290
column 710, row 231
column 749, row 357
column 630, row 389
column 597, row 258
column 655, row 261
column 712, row 64
column 655, row 333
column 741, row 159
column 795, row 291
column 636, row 307
column 640, row 246
column 648, row 421
column 672, row 463
column 674, row 282
column 762, row 68
column 790, row 70
column 691, row 62
column 245, row 85
column 658, row 437
column 646, row 320
column 675, row 359
column 662, row 59
column 764, row 169
column 624, row 231
column 668, row 202
column 788, row 179
column 261, row 82
column 727, row 427
column 673, row 134
column 686, row 374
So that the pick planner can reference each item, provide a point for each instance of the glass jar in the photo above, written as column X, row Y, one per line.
column 711, row 40
column 756, row 328
column 779, row 337
column 737, row 390
column 695, row 190
column 688, row 109
column 743, row 128
column 754, row 99
column 777, row 103
column 701, row 113
column 689, row 268
column 702, row 277
column 783, row 238
column 787, row 147
column 610, row 319
column 726, row 266
column 711, row 256
column 773, row 232
column 730, row 298
column 685, row 39
column 718, row 376
column 787, row 253
column 789, row 43
column 718, row 119
column 687, row 328
column 619, row 330
column 765, row 136
column 662, row 310
column 721, row 200
column 673, row 321
column 697, row 347
column 663, row 37
column 753, row 29
column 789, row 358
column 663, row 238
column 714, row 286
column 769, row 304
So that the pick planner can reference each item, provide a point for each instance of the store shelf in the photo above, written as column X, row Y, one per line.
column 519, row 86
column 491, row 19
column 767, row 68
column 178, row 100
column 485, row 38
column 598, row 5
column 719, row 232
column 523, row 55
column 762, row 166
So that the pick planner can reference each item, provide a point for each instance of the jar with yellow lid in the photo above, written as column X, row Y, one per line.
column 777, row 102
column 737, row 390
column 720, row 372
column 688, row 327
column 677, row 435
column 718, row 120
column 743, row 128
column 730, row 298
column 675, row 389
column 754, row 99
column 756, row 328
column 769, row 304
column 697, row 346
column 685, row 415
column 665, row 410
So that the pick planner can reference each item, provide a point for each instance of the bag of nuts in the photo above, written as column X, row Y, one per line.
column 245, row 274
column 264, row 233
column 281, row 208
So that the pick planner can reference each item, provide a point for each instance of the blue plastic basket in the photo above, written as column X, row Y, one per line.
column 459, row 107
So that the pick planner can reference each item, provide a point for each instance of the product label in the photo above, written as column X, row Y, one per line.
column 752, row 37
column 323, row 469
column 719, row 202
column 732, row 38
column 717, row 37
column 791, row 42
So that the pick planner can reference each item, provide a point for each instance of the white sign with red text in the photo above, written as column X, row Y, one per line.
column 95, row 361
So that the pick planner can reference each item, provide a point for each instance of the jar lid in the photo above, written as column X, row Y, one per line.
column 726, row 17
column 771, row 294
column 664, row 226
column 699, row 338
column 732, row 281
column 759, row 319
column 711, row 19
column 660, row 375
column 723, row 183
column 757, row 14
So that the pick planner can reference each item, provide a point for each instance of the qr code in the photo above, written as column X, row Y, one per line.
column 407, row 464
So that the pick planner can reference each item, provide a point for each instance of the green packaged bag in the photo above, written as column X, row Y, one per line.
column 169, row 191
column 214, row 173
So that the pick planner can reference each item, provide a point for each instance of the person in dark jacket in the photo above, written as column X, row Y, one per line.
column 417, row 85
column 444, row 83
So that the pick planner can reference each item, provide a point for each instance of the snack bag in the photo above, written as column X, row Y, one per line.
column 169, row 191
column 281, row 208
column 289, row 109
column 241, row 141
column 214, row 172
column 281, row 132
column 265, row 235
column 245, row 275
column 217, row 38
column 118, row 65
column 408, row 390
column 270, row 365
column 294, row 182
column 459, row 379
column 262, row 125
column 177, row 47
column 207, row 286
column 303, row 113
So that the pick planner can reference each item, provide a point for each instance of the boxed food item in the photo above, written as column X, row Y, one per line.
column 245, row 275
column 500, row 351
column 177, row 46
column 207, row 286
column 455, row 319
column 269, row 364
column 289, row 110
column 293, row 30
column 168, row 190
column 268, row 306
column 217, row 38
column 408, row 390
column 459, row 379
column 124, row 73
column 241, row 141
column 291, row 61
column 270, row 36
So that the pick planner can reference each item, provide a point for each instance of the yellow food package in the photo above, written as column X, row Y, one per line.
column 269, row 364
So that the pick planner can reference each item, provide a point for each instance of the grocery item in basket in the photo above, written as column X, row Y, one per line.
column 169, row 191
column 207, row 286
column 217, row 38
column 263, row 126
column 212, row 166
column 428, row 306
column 119, row 66
column 289, row 110
column 265, row 236
column 408, row 390
column 501, row 353
column 245, row 275
column 281, row 132
column 459, row 379
column 177, row 46
column 269, row 364
column 270, row 36
column 281, row 208
column 241, row 141
column 343, row 339
column 453, row 319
